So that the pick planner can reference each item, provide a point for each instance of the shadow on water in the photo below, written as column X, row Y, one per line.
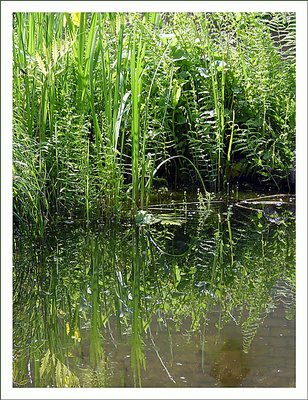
column 182, row 297
column 230, row 367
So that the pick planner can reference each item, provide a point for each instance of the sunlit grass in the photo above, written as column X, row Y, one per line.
column 107, row 98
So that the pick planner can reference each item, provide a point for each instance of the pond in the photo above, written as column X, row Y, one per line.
column 185, row 295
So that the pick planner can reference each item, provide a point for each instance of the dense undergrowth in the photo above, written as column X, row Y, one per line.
column 102, row 99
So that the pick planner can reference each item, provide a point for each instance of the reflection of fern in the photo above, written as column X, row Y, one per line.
column 256, row 297
column 95, row 377
column 63, row 376
column 251, row 326
column 284, row 293
column 181, row 287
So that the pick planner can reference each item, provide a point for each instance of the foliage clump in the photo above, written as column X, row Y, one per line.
column 101, row 99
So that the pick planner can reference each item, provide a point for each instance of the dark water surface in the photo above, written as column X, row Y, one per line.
column 186, row 296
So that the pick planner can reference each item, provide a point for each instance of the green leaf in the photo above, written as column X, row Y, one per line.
column 176, row 93
column 76, row 18
column 41, row 63
column 170, row 222
column 179, row 55
column 177, row 274
column 165, row 37
column 59, row 374
column 44, row 363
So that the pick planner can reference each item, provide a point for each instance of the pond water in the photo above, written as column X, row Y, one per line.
column 187, row 295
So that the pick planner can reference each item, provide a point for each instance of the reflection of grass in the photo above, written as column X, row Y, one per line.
column 96, row 346
column 113, row 275
column 137, row 353
column 259, row 268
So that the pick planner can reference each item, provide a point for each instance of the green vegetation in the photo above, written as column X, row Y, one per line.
column 112, row 112
column 86, row 299
column 101, row 101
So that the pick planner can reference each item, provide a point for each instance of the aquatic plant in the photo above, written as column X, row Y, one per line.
column 107, row 98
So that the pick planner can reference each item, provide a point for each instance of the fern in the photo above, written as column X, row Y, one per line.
column 45, row 363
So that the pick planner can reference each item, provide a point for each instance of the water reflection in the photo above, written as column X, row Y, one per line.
column 111, row 304
column 230, row 367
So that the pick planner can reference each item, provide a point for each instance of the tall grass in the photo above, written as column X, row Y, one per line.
column 136, row 60
column 105, row 98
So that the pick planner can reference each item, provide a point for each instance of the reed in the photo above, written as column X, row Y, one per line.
column 106, row 98
column 137, row 55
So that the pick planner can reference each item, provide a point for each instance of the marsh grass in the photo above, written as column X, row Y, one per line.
column 106, row 98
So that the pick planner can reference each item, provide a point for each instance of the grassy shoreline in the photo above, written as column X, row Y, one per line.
column 101, row 100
